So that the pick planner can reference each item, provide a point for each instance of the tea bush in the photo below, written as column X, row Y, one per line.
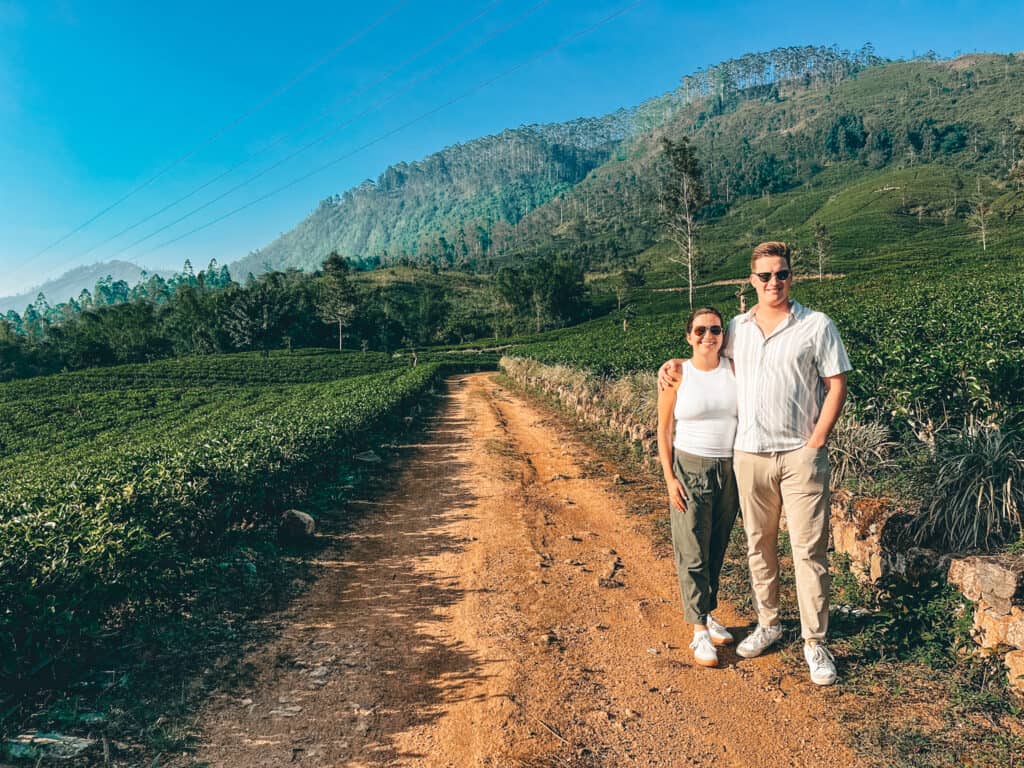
column 109, row 495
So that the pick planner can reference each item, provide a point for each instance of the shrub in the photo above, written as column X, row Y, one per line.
column 977, row 491
column 858, row 449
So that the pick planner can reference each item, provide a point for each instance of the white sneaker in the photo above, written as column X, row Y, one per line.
column 758, row 641
column 821, row 663
column 719, row 634
column 704, row 652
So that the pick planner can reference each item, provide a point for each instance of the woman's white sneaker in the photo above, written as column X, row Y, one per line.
column 758, row 641
column 821, row 663
column 719, row 634
column 704, row 652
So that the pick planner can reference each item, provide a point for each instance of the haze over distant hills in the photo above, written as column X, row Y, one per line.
column 71, row 283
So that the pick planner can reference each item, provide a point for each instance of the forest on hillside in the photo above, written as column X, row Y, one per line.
column 463, row 207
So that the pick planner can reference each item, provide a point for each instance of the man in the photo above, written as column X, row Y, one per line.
column 791, row 369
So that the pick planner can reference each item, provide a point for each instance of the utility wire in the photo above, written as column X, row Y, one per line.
column 234, row 123
column 320, row 116
column 478, row 87
column 338, row 128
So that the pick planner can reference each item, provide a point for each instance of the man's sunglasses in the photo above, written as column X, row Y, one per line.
column 782, row 274
column 700, row 330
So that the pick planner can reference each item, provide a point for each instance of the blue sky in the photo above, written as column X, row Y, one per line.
column 96, row 97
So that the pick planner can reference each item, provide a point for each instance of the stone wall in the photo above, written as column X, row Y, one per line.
column 995, row 584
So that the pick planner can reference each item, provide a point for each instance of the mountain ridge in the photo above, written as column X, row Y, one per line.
column 71, row 283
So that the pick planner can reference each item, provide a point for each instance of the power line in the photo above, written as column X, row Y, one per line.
column 234, row 123
column 337, row 129
column 478, row 87
column 267, row 147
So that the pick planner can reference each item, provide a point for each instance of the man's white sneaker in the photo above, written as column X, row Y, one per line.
column 719, row 634
column 704, row 652
column 758, row 641
column 821, row 663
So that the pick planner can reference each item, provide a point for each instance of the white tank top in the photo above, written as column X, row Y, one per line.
column 706, row 411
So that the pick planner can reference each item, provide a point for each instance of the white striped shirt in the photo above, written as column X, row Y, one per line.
column 778, row 378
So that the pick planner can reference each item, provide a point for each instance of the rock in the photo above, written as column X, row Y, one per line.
column 1015, row 670
column 871, row 534
column 996, row 579
column 47, row 746
column 296, row 526
column 993, row 629
column 368, row 456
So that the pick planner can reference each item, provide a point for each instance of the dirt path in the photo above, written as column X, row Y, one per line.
column 500, row 607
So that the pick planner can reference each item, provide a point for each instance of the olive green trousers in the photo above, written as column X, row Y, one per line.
column 700, row 533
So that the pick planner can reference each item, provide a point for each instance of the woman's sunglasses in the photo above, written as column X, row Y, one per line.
column 782, row 274
column 700, row 330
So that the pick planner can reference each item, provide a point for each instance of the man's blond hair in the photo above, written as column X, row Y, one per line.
column 773, row 248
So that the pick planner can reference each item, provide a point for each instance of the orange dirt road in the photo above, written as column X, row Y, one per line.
column 499, row 607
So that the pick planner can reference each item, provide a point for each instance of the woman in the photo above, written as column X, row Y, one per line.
column 697, row 464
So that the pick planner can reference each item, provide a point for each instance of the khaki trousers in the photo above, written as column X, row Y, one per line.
column 796, row 481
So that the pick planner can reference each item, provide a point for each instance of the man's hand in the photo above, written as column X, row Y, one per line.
column 670, row 374
column 676, row 494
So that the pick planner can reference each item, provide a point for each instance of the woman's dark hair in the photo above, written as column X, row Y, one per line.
column 702, row 311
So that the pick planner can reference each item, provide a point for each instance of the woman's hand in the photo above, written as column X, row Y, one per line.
column 676, row 494
column 670, row 374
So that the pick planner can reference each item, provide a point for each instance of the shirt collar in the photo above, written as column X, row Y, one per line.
column 796, row 310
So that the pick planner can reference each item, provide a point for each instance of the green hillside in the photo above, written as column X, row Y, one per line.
column 951, row 122
column 456, row 207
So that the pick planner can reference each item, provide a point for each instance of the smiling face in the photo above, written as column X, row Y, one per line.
column 706, row 342
column 775, row 292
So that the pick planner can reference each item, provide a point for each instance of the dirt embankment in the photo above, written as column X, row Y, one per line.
column 501, row 607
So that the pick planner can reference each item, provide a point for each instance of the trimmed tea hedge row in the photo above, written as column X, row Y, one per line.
column 242, row 369
column 89, row 537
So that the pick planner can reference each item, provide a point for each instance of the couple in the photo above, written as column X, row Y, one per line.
column 751, row 419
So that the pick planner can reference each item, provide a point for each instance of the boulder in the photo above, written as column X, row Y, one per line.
column 871, row 532
column 296, row 527
column 993, row 629
column 998, row 580
column 1015, row 670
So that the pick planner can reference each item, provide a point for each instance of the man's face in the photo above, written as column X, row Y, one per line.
column 775, row 292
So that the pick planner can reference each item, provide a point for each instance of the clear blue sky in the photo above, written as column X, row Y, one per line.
column 96, row 97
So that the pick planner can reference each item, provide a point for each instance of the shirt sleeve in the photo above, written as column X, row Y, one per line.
column 831, row 359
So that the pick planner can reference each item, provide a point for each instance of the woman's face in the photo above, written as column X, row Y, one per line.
column 701, row 335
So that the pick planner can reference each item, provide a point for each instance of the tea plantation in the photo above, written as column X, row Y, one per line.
column 117, row 485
